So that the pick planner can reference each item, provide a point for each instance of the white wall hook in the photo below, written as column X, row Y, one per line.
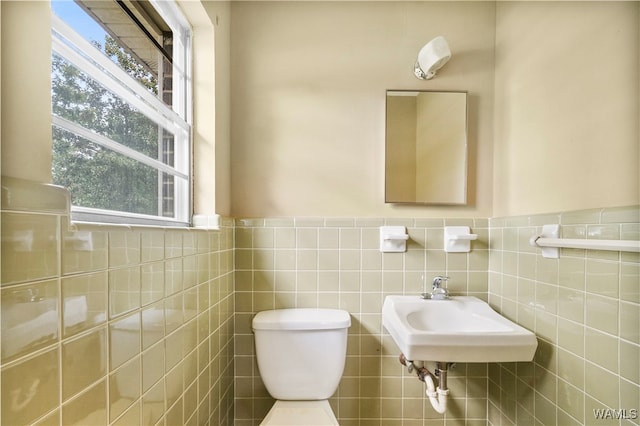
column 457, row 239
column 393, row 239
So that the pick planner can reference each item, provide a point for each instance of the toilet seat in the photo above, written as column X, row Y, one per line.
column 300, row 413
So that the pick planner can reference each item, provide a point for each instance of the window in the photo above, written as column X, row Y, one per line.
column 121, row 110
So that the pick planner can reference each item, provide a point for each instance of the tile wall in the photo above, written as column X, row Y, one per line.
column 112, row 325
column 119, row 325
column 336, row 263
column 585, row 310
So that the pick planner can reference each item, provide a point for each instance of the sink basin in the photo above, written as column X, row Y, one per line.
column 459, row 329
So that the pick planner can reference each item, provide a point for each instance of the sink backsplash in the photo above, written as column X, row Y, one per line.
column 336, row 263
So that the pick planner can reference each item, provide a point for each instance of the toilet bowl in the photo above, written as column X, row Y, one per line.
column 301, row 355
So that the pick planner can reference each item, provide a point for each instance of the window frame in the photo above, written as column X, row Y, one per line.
column 177, row 118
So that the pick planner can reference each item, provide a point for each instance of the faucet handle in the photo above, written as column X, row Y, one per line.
column 438, row 292
column 437, row 281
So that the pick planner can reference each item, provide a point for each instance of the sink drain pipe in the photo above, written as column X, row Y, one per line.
column 437, row 395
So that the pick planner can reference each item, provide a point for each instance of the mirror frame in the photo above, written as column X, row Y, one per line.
column 465, row 160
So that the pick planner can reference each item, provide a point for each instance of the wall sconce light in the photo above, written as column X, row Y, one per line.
column 431, row 58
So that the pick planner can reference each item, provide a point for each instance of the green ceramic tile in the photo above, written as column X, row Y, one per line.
column 90, row 408
column 83, row 250
column 30, row 247
column 630, row 361
column 37, row 376
column 571, row 400
column 571, row 368
column 602, row 277
column 571, row 336
column 26, row 195
column 602, row 385
column 328, row 238
column 601, row 349
column 124, row 389
column 630, row 322
column 602, row 313
column 29, row 318
column 83, row 362
column 581, row 217
column 629, row 214
column 124, row 248
column 630, row 282
column 124, row 290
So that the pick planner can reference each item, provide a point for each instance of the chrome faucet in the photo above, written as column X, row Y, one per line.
column 438, row 292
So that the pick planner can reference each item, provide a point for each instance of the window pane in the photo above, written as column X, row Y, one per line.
column 116, row 148
column 102, row 179
column 78, row 19
column 136, row 39
column 79, row 98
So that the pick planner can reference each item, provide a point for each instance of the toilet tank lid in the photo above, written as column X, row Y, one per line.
column 301, row 319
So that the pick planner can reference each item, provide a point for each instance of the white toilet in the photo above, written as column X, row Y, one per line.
column 301, row 355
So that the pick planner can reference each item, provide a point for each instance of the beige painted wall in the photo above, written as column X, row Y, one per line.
column 211, row 136
column 566, row 106
column 220, row 13
column 308, row 86
column 0, row 92
column 307, row 111
column 26, row 90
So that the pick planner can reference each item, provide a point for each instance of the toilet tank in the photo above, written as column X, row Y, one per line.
column 301, row 352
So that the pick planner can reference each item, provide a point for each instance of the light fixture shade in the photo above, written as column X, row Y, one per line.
column 431, row 58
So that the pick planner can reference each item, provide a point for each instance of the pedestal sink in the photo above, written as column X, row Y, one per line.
column 458, row 329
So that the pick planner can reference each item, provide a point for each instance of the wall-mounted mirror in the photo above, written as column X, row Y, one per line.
column 426, row 147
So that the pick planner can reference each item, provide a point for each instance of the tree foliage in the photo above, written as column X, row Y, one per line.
column 96, row 176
